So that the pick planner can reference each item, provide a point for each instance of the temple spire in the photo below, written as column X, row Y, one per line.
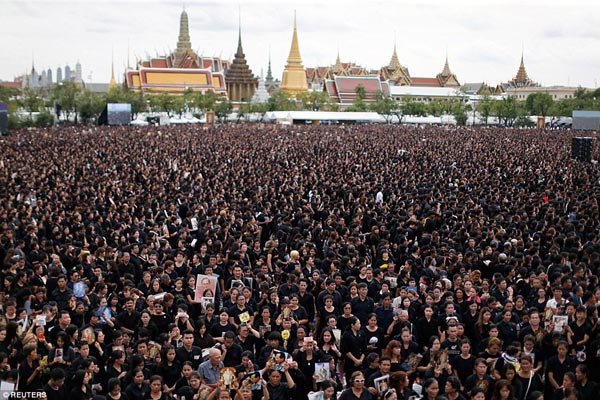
column 446, row 71
column 394, row 62
column 113, row 82
column 293, row 80
column 294, row 57
column 183, row 42
column 522, row 73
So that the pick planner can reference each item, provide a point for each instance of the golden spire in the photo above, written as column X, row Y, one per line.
column 294, row 57
column 294, row 76
column 113, row 82
column 522, row 73
column 394, row 62
column 446, row 71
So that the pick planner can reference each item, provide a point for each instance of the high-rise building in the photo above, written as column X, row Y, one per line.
column 293, row 81
column 68, row 76
column 59, row 76
column 49, row 74
column 78, row 72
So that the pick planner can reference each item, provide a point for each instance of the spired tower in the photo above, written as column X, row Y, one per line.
column 184, row 53
column 522, row 79
column 113, row 82
column 294, row 76
column 241, row 83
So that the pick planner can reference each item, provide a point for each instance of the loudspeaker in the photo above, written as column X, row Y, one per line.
column 581, row 149
column 3, row 119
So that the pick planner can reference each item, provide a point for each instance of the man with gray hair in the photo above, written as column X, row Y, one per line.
column 211, row 368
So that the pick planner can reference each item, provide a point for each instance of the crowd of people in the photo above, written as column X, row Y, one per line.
column 352, row 262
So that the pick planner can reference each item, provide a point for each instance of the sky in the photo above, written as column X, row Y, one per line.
column 483, row 39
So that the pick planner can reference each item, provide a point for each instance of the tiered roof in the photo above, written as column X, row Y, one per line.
column 522, row 79
column 241, row 83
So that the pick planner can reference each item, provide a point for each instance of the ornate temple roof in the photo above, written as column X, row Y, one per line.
column 446, row 77
column 239, row 71
column 184, row 52
column 522, row 79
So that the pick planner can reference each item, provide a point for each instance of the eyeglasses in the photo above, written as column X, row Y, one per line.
column 359, row 381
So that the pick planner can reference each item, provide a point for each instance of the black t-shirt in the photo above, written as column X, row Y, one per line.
column 52, row 394
column 463, row 367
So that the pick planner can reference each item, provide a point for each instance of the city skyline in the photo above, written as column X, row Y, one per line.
column 483, row 41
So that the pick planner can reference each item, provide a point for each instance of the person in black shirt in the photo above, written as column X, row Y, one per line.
column 232, row 352
column 354, row 347
column 30, row 371
column 55, row 388
column 189, row 352
column 362, row 305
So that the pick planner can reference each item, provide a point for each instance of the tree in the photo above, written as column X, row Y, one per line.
column 384, row 106
column 8, row 94
column 222, row 110
column 411, row 107
column 281, row 101
column 66, row 94
column 539, row 104
column 205, row 101
column 31, row 101
column 89, row 106
column 314, row 101
column 260, row 109
column 438, row 108
column 508, row 110
column 137, row 101
column 359, row 105
column 166, row 103
column 44, row 120
column 484, row 108
column 459, row 109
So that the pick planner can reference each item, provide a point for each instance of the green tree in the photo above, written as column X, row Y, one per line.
column 89, row 106
column 359, row 105
column 438, row 108
column 539, row 104
column 484, row 108
column 459, row 109
column 31, row 101
column 411, row 107
column 281, row 101
column 44, row 120
column 137, row 101
column 222, row 110
column 384, row 106
column 314, row 101
column 66, row 94
column 508, row 109
column 205, row 101
column 260, row 109
column 8, row 94
column 167, row 103
column 178, row 105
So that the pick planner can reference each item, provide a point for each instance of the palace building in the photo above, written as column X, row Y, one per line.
column 180, row 71
column 398, row 75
